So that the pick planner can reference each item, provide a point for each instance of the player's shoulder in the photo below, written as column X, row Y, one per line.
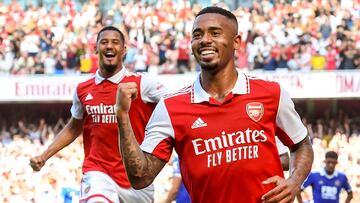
column 316, row 171
column 90, row 80
column 134, row 74
column 179, row 93
column 132, row 77
column 262, row 85
column 340, row 174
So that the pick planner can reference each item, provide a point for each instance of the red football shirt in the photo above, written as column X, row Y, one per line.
column 225, row 149
column 94, row 101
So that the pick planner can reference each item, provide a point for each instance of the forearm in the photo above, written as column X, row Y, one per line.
column 65, row 137
column 302, row 159
column 141, row 167
column 299, row 198
column 349, row 197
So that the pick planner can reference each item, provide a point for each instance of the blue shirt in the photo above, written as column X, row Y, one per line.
column 182, row 195
column 326, row 188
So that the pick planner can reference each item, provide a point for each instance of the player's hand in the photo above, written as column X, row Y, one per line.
column 284, row 192
column 37, row 162
column 126, row 92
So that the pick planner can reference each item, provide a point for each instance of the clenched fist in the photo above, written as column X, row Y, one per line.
column 126, row 92
column 37, row 162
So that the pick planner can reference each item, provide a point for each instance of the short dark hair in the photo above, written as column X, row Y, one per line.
column 331, row 154
column 219, row 10
column 122, row 37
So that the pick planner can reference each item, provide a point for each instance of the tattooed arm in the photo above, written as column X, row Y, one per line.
column 301, row 162
column 141, row 167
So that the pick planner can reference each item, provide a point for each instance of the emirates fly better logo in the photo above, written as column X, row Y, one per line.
column 255, row 110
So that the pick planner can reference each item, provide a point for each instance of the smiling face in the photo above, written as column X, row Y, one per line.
column 111, row 50
column 214, row 40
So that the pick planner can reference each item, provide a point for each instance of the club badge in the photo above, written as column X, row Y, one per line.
column 255, row 110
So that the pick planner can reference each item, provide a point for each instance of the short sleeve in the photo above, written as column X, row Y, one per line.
column 159, row 133
column 347, row 186
column 76, row 110
column 290, row 129
column 152, row 90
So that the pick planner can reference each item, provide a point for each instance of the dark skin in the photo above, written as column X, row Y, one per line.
column 330, row 164
column 110, row 49
column 214, row 41
column 213, row 47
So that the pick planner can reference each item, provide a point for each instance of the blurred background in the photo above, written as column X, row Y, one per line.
column 312, row 48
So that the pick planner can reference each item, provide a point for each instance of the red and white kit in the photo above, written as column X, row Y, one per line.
column 94, row 101
column 226, row 149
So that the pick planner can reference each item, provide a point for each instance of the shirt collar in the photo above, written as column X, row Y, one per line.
column 200, row 95
column 114, row 79
column 323, row 173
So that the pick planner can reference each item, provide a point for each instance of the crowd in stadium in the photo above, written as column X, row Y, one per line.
column 303, row 35
column 23, row 136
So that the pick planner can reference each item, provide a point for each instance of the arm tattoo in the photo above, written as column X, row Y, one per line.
column 302, row 160
column 141, row 168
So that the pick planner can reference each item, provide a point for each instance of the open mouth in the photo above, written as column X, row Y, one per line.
column 207, row 54
column 109, row 55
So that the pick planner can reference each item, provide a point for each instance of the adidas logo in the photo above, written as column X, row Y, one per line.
column 199, row 123
column 89, row 97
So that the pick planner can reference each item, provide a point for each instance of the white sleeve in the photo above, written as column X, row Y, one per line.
column 282, row 149
column 76, row 110
column 158, row 128
column 151, row 90
column 288, row 120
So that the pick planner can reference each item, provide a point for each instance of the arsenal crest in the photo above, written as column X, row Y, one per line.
column 255, row 110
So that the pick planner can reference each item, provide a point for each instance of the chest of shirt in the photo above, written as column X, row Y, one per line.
column 98, row 102
column 235, row 133
column 243, row 118
column 99, row 94
column 334, row 182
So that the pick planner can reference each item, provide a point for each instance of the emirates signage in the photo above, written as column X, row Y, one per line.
column 38, row 88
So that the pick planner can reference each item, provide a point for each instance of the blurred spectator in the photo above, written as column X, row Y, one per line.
column 183, row 55
column 140, row 61
column 317, row 61
column 331, row 58
column 267, row 27
column 348, row 56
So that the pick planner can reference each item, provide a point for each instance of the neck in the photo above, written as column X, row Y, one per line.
column 329, row 172
column 218, row 84
column 105, row 73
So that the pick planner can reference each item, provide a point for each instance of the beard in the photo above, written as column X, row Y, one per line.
column 207, row 66
column 109, row 67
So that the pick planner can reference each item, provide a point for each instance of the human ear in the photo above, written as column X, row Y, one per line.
column 237, row 42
